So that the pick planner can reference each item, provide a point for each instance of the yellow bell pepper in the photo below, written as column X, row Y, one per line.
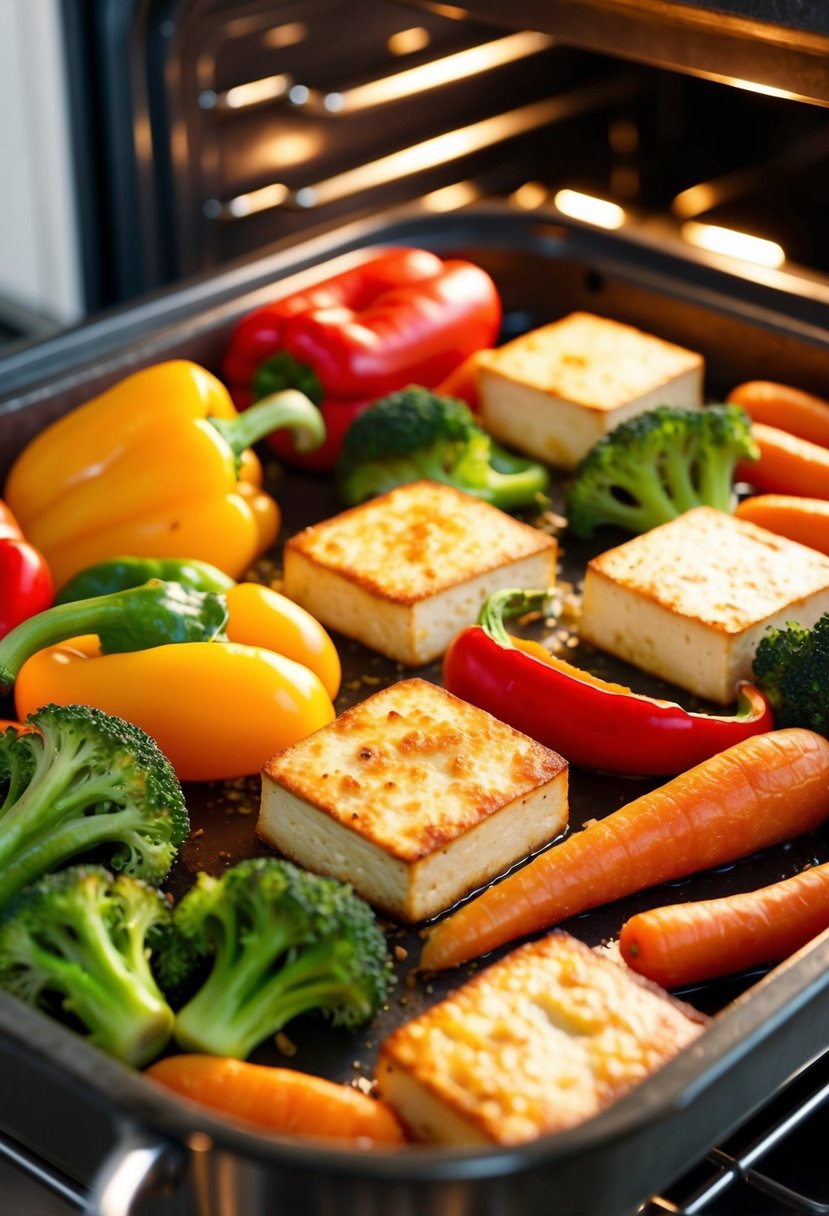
column 158, row 465
column 216, row 709
column 259, row 616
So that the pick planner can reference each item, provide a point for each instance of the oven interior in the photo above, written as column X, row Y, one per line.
column 209, row 130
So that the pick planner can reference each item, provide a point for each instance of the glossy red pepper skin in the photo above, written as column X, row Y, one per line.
column 401, row 317
column 26, row 586
column 593, row 725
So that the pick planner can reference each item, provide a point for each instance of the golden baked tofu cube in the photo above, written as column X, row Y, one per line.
column 690, row 600
column 404, row 572
column 414, row 797
column 537, row 1043
column 554, row 392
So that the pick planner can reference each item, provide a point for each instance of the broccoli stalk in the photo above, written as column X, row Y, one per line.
column 83, row 780
column 77, row 945
column 791, row 666
column 415, row 434
column 138, row 618
column 653, row 467
column 281, row 942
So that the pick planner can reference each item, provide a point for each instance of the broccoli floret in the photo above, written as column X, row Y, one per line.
column 654, row 466
column 279, row 942
column 78, row 945
column 415, row 434
column 791, row 666
column 86, row 782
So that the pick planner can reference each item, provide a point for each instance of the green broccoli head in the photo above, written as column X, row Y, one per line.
column 654, row 466
column 78, row 944
column 85, row 782
column 415, row 434
column 791, row 666
column 279, row 942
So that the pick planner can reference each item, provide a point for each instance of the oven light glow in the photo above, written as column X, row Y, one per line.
column 694, row 200
column 529, row 196
column 591, row 210
column 766, row 89
column 247, row 204
column 449, row 69
column 255, row 92
column 288, row 34
column 406, row 42
column 451, row 198
column 733, row 244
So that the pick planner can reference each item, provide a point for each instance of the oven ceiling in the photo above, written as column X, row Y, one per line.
column 781, row 46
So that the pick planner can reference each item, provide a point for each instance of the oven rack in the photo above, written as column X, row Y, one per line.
column 727, row 1181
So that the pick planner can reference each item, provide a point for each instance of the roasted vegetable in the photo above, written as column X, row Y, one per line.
column 282, row 1101
column 791, row 666
column 78, row 945
column 762, row 791
column 416, row 434
column 592, row 723
column 402, row 315
column 84, row 781
column 122, row 573
column 172, row 687
column 278, row 942
column 139, row 618
column 654, row 466
column 25, row 578
column 159, row 465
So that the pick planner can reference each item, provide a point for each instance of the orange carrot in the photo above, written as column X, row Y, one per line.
column 785, row 407
column 463, row 381
column 805, row 520
column 685, row 943
column 279, row 1100
column 787, row 464
column 759, row 792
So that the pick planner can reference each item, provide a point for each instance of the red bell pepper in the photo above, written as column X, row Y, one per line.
column 402, row 317
column 591, row 722
column 25, row 580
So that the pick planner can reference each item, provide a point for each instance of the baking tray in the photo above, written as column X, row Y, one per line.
column 103, row 1133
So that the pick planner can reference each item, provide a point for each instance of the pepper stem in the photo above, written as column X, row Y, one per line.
column 506, row 603
column 289, row 409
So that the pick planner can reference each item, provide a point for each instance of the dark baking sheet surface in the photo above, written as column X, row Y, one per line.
column 772, row 1024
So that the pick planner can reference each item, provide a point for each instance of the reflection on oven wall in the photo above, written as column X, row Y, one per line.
column 159, row 139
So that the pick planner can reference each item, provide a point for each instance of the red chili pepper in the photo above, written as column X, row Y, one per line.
column 591, row 722
column 402, row 317
column 25, row 581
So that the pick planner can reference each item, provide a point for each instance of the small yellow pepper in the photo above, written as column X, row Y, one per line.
column 216, row 709
column 158, row 465
column 259, row 616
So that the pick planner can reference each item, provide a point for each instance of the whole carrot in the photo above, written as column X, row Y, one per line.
column 787, row 464
column 785, row 407
column 684, row 943
column 805, row 520
column 279, row 1100
column 759, row 792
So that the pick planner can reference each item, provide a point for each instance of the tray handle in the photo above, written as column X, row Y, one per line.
column 139, row 1163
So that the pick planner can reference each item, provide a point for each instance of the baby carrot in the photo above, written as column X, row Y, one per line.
column 785, row 407
column 279, row 1100
column 759, row 792
column 685, row 943
column 805, row 520
column 787, row 464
